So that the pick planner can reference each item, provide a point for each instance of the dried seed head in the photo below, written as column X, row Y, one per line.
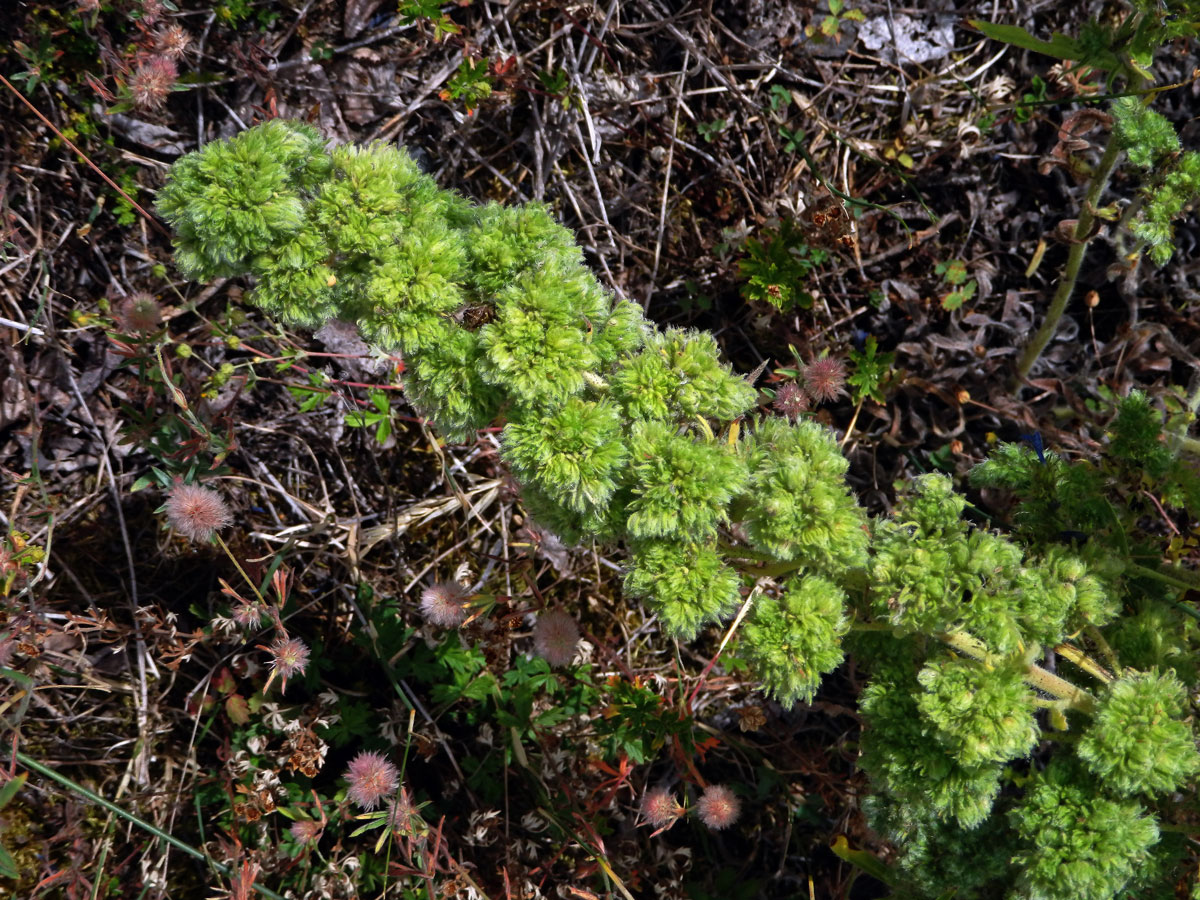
column 172, row 41
column 249, row 613
column 289, row 656
column 790, row 400
column 152, row 81
column 371, row 779
column 824, row 379
column 402, row 813
column 718, row 807
column 151, row 10
column 139, row 312
column 306, row 830
column 555, row 636
column 660, row 808
column 442, row 603
column 196, row 512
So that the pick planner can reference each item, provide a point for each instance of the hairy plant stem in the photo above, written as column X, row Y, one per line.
column 1176, row 576
column 1185, row 443
column 237, row 565
column 1066, row 284
column 1068, row 694
column 1076, row 698
column 1083, row 661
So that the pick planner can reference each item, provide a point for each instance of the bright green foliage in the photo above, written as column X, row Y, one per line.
column 622, row 433
column 536, row 350
column 687, row 584
column 979, row 714
column 1058, row 594
column 1136, row 742
column 242, row 196
column 870, row 371
column 794, row 639
column 931, row 574
column 940, row 859
column 777, row 267
column 1056, row 496
column 900, row 755
column 920, row 554
column 682, row 485
column 1146, row 136
column 797, row 504
column 1080, row 845
column 511, row 241
column 445, row 384
column 679, row 375
column 573, row 454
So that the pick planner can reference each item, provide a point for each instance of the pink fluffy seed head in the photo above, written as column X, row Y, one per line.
column 152, row 82
column 172, row 41
column 790, row 400
column 660, row 808
column 151, row 10
column 289, row 656
column 139, row 312
column 248, row 613
column 306, row 831
column 196, row 512
column 718, row 807
column 372, row 778
column 442, row 604
column 555, row 637
column 824, row 379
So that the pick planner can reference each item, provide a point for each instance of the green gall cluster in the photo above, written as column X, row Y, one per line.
column 940, row 858
column 678, row 376
column 575, row 453
column 1137, row 742
column 682, row 484
column 797, row 507
column 1078, row 844
column 687, row 584
column 980, row 714
column 794, row 639
column 901, row 755
column 1145, row 136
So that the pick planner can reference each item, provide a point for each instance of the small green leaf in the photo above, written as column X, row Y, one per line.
column 384, row 431
column 8, row 866
column 11, row 787
column 144, row 482
column 863, row 859
column 953, row 271
column 1059, row 46
column 370, row 826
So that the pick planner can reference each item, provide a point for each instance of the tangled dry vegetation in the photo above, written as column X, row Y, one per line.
column 669, row 137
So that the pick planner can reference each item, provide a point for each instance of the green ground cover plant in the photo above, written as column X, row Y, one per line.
column 1028, row 711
